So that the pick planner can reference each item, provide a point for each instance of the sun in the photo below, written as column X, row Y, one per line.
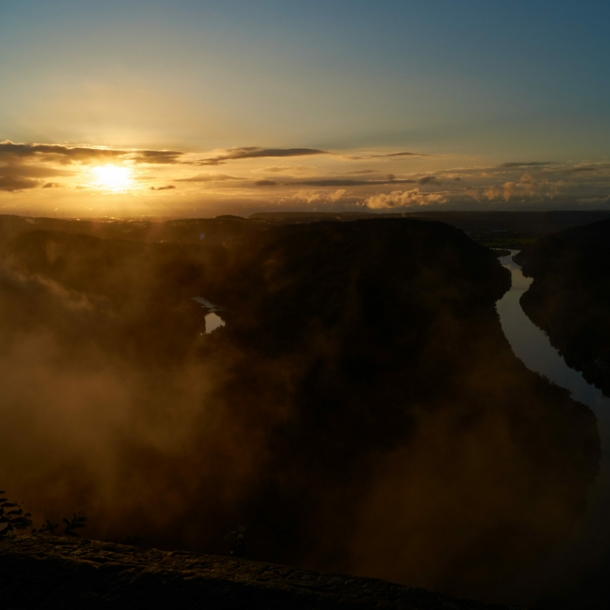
column 113, row 177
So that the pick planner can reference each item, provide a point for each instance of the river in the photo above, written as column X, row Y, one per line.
column 587, row 550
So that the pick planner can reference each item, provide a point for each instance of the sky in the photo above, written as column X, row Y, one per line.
column 200, row 108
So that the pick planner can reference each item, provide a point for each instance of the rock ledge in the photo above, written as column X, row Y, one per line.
column 50, row 573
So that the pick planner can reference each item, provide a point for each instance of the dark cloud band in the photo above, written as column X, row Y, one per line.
column 518, row 164
column 12, row 184
column 385, row 156
column 69, row 154
column 255, row 152
column 208, row 178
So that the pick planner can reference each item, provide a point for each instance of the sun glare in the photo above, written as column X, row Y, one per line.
column 112, row 177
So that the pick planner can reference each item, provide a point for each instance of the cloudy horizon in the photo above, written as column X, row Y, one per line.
column 203, row 108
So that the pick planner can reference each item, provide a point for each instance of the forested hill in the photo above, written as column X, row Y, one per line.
column 570, row 296
column 361, row 411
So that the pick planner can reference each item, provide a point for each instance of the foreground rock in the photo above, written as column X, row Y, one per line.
column 54, row 573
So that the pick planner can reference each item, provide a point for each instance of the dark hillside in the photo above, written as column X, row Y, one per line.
column 497, row 229
column 361, row 411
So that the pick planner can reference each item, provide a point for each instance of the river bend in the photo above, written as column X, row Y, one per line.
column 587, row 549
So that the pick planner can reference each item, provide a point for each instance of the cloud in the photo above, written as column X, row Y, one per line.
column 493, row 192
column 342, row 182
column 589, row 167
column 21, row 170
column 157, row 156
column 70, row 154
column 62, row 154
column 400, row 154
column 337, row 195
column 277, row 169
column 526, row 186
column 208, row 178
column 473, row 193
column 12, row 184
column 52, row 185
column 528, row 182
column 17, row 177
column 308, row 196
column 162, row 188
column 23, row 161
column 398, row 199
column 596, row 201
column 385, row 156
column 335, row 182
column 256, row 152
column 518, row 164
column 510, row 188
column 320, row 182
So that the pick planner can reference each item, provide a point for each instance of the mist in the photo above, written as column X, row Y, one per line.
column 360, row 411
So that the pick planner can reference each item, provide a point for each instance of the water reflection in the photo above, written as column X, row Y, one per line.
column 212, row 319
column 212, row 322
column 532, row 346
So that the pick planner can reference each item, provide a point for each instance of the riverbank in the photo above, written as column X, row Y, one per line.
column 570, row 296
